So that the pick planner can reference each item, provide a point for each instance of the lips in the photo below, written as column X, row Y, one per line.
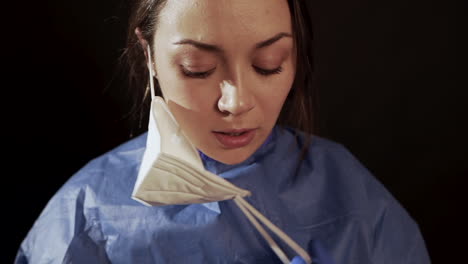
column 235, row 138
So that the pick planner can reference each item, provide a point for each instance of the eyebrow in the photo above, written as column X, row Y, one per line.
column 217, row 49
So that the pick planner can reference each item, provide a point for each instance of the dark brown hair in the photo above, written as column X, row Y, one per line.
column 299, row 108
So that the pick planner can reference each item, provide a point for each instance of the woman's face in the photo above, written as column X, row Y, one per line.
column 225, row 68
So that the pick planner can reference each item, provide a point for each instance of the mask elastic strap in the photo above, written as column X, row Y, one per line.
column 250, row 212
column 151, row 72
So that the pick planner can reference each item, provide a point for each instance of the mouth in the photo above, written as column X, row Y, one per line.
column 235, row 138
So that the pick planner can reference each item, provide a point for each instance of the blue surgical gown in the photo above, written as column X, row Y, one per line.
column 328, row 203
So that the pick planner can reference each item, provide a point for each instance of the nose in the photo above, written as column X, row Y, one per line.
column 234, row 100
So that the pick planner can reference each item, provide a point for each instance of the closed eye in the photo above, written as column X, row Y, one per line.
column 206, row 74
column 267, row 72
column 198, row 75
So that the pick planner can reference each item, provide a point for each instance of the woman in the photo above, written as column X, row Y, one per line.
column 235, row 75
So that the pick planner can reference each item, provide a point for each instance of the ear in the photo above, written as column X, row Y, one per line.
column 143, row 42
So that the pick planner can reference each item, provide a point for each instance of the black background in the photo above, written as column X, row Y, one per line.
column 388, row 92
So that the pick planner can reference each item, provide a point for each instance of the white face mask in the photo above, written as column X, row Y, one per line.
column 173, row 173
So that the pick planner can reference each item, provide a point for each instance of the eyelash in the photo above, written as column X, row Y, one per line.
column 268, row 72
column 199, row 75
column 204, row 75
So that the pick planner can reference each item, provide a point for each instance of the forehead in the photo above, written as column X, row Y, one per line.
column 221, row 21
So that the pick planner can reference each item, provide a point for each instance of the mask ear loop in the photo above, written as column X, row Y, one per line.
column 251, row 213
column 151, row 72
column 281, row 255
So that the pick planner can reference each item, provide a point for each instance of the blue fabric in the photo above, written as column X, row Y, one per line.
column 329, row 204
column 298, row 260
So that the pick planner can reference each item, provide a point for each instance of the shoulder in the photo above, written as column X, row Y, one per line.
column 103, row 182
column 119, row 164
column 344, row 176
column 124, row 155
column 331, row 161
column 331, row 171
column 322, row 155
column 109, row 175
column 352, row 194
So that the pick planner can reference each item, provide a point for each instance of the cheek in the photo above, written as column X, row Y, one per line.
column 191, row 110
column 192, row 102
column 191, row 94
column 275, row 94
